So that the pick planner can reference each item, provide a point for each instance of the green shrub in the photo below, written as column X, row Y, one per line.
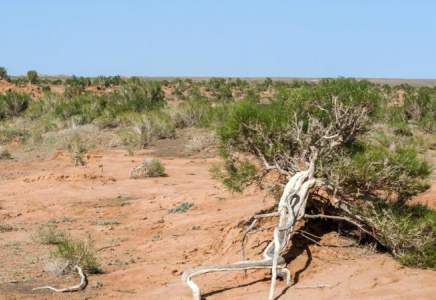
column 6, row 227
column 428, row 123
column 138, row 97
column 235, row 175
column 72, row 91
column 49, row 236
column 13, row 104
column 11, row 133
column 189, row 113
column 150, row 167
column 32, row 76
column 408, row 231
column 145, row 128
column 4, row 74
column 78, row 253
column 4, row 153
column 77, row 149
column 373, row 169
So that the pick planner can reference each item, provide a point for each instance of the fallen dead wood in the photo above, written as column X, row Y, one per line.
column 83, row 283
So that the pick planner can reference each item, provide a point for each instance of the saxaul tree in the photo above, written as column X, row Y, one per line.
column 309, row 140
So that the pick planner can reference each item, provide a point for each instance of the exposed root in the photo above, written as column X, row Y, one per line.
column 243, row 265
column 291, row 208
column 79, row 287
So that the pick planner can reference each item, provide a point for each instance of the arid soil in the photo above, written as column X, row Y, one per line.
column 143, row 256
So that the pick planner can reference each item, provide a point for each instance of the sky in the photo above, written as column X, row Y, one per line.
column 226, row 38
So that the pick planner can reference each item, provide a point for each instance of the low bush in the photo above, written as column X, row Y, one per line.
column 77, row 252
column 77, row 149
column 201, row 140
column 409, row 232
column 49, row 236
column 13, row 104
column 188, row 113
column 150, row 167
column 4, row 153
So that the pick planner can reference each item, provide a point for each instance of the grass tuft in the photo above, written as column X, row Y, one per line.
column 181, row 208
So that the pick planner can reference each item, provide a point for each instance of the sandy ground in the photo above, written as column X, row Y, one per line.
column 144, row 255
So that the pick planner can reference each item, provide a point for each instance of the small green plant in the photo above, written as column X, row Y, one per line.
column 66, row 219
column 6, row 227
column 49, row 236
column 104, row 222
column 130, row 150
column 5, row 154
column 77, row 148
column 78, row 253
column 156, row 238
column 119, row 197
column 181, row 208
column 150, row 167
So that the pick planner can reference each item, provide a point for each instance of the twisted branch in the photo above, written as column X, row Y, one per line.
column 83, row 283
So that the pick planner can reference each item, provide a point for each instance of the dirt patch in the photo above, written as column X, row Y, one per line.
column 143, row 248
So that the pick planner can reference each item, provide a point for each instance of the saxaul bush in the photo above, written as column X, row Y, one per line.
column 315, row 139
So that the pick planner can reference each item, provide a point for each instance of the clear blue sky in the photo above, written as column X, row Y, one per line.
column 310, row 38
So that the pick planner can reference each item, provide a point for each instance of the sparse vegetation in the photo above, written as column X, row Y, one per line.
column 104, row 222
column 49, row 236
column 5, row 154
column 77, row 149
column 150, row 167
column 181, row 208
column 6, row 227
column 76, row 252
column 362, row 141
column 201, row 140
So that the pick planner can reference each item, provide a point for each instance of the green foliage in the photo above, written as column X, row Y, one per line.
column 372, row 169
column 78, row 253
column 235, row 175
column 181, row 208
column 428, row 123
column 408, row 231
column 4, row 74
column 138, row 97
column 150, row 167
column 105, row 82
column 5, row 154
column 189, row 113
column 49, row 236
column 13, row 104
column 77, row 149
column 32, row 76
column 286, row 130
column 144, row 128
column 6, row 227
